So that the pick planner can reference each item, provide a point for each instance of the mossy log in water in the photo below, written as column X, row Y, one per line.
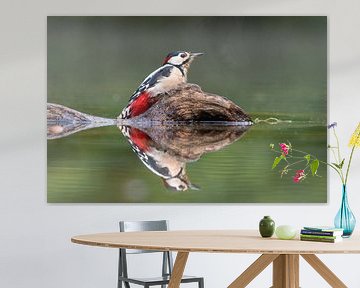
column 188, row 103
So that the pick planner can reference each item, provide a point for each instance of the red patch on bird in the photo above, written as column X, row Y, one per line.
column 141, row 104
column 140, row 139
column 166, row 59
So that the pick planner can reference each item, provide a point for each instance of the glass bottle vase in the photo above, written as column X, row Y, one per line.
column 345, row 219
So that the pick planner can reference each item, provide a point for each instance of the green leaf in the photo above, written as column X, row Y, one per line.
column 276, row 161
column 336, row 165
column 314, row 166
column 339, row 166
column 307, row 157
column 342, row 163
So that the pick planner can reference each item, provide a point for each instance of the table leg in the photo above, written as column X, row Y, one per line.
column 253, row 270
column 286, row 271
column 324, row 271
column 178, row 269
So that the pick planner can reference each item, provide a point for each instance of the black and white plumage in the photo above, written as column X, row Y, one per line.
column 172, row 73
column 159, row 161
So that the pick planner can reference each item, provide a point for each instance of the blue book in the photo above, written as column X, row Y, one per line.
column 322, row 231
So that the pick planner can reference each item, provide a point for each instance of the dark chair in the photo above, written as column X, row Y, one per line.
column 167, row 265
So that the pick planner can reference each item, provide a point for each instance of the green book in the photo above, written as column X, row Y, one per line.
column 319, row 236
column 325, row 240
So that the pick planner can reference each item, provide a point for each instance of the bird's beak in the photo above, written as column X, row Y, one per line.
column 193, row 187
column 193, row 55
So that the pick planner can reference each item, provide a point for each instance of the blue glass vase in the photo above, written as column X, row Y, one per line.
column 345, row 219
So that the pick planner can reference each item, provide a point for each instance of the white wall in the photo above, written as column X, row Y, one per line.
column 35, row 248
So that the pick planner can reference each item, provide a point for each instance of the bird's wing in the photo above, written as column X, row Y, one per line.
column 142, row 145
column 151, row 80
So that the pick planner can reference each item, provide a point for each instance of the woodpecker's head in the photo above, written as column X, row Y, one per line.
column 181, row 58
column 179, row 182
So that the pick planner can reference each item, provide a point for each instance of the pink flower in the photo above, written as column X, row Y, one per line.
column 299, row 175
column 284, row 148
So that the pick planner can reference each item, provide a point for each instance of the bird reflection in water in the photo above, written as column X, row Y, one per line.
column 165, row 150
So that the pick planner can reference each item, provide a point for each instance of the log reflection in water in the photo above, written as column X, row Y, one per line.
column 63, row 121
column 166, row 150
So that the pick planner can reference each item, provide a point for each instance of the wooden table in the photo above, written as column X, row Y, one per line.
column 284, row 254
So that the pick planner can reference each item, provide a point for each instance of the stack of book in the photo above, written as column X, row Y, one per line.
column 321, row 234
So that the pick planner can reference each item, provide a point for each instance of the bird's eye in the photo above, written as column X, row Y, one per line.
column 183, row 55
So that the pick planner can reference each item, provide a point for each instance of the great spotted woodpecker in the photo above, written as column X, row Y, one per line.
column 172, row 73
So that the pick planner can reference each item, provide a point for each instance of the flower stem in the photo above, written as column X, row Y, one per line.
column 333, row 152
column 296, row 162
column 351, row 155
column 339, row 160
column 348, row 167
column 339, row 171
column 336, row 169
column 338, row 145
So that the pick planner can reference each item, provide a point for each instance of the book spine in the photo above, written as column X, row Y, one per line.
column 318, row 239
column 319, row 236
column 320, row 233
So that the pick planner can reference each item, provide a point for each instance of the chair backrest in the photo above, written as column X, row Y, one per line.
column 134, row 226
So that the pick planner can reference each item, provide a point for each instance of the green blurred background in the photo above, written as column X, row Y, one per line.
column 270, row 66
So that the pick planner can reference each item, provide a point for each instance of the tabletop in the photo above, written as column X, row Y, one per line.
column 216, row 241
